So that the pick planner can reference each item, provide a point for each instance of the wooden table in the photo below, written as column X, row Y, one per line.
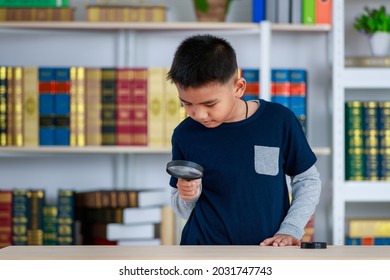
column 193, row 253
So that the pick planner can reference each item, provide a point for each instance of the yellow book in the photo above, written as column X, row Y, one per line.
column 80, row 107
column 18, row 106
column 31, row 106
column 93, row 120
column 156, row 107
column 369, row 228
column 10, row 107
column 172, row 109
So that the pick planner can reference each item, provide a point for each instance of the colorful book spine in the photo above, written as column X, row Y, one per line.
column 108, row 99
column 46, row 78
column 323, row 12
column 370, row 140
column 62, row 106
column 384, row 140
column 66, row 217
column 173, row 106
column 36, row 14
column 298, row 95
column 35, row 199
column 49, row 225
column 30, row 108
column 139, row 108
column 124, row 103
column 354, row 141
column 20, row 216
column 280, row 86
column 308, row 11
column 252, row 78
column 258, row 10
column 368, row 228
column 77, row 107
column 156, row 107
column 34, row 3
column 3, row 106
column 10, row 107
column 5, row 218
column 18, row 106
column 93, row 116
column 367, row 241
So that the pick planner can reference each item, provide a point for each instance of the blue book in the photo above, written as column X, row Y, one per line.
column 280, row 82
column 251, row 77
column 298, row 86
column 258, row 10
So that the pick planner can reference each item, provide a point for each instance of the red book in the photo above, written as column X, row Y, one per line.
column 5, row 218
column 123, row 106
column 323, row 12
column 139, row 108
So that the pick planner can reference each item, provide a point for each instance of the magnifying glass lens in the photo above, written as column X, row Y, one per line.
column 185, row 169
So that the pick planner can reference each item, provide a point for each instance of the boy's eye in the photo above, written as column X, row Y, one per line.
column 210, row 105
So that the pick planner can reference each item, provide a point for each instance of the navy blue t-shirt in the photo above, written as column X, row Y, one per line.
column 244, row 195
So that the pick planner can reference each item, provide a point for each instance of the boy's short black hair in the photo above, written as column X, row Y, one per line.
column 203, row 59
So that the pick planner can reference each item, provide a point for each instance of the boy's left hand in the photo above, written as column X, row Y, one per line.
column 281, row 240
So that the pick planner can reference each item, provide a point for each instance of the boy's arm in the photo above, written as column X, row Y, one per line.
column 306, row 189
column 181, row 207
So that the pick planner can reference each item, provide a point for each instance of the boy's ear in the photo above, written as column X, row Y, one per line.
column 240, row 86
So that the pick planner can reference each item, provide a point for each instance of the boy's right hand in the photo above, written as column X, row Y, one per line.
column 189, row 190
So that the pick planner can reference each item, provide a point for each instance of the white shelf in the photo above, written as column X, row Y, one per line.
column 163, row 26
column 366, row 191
column 319, row 151
column 366, row 78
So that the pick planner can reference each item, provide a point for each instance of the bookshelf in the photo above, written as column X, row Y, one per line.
column 141, row 44
column 350, row 83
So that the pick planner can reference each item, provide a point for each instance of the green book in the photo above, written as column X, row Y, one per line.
column 308, row 11
column 66, row 217
column 108, row 100
column 49, row 225
column 370, row 138
column 34, row 3
column 354, row 141
column 20, row 213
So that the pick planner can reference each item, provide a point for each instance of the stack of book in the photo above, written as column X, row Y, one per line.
column 368, row 232
column 293, row 11
column 35, row 10
column 124, row 217
column 26, row 219
column 79, row 106
column 367, row 140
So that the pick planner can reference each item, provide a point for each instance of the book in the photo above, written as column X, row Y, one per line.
column 10, row 107
column 128, row 231
column 93, row 116
column 258, row 10
column 323, row 12
column 308, row 11
column 298, row 95
column 384, row 140
column 124, row 104
column 30, row 108
column 370, row 140
column 252, row 78
column 36, row 14
column 122, row 13
column 3, row 106
column 50, row 225
column 139, row 108
column 66, row 217
column 283, row 11
column 18, row 105
column 271, row 10
column 156, row 107
column 46, row 83
column 77, row 107
column 34, row 3
column 354, row 142
column 35, row 202
column 142, row 215
column 120, row 198
column 367, row 61
column 367, row 241
column 5, row 218
column 108, row 103
column 280, row 86
column 62, row 106
column 172, row 110
column 368, row 228
column 20, row 216
column 296, row 11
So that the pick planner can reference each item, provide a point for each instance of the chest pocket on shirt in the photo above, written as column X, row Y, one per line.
column 267, row 160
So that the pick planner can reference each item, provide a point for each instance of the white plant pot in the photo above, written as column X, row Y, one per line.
column 380, row 44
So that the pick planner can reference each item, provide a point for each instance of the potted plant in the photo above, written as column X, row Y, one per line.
column 376, row 24
column 211, row 10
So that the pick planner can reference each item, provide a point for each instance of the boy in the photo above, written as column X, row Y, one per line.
column 245, row 147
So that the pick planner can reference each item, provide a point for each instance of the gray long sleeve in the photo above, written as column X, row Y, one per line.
column 181, row 207
column 306, row 190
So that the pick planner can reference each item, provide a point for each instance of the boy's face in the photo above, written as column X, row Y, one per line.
column 214, row 104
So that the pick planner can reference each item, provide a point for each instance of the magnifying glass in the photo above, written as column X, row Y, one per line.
column 184, row 169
